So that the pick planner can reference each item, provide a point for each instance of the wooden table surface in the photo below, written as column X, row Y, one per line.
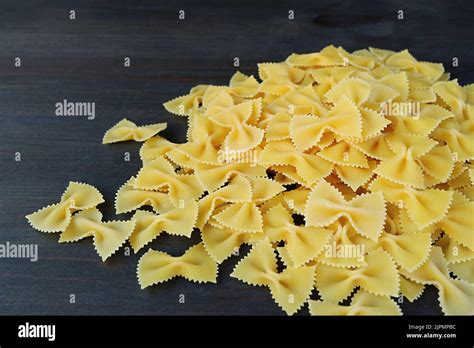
column 82, row 60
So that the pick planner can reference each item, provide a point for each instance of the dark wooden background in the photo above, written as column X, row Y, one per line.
column 82, row 60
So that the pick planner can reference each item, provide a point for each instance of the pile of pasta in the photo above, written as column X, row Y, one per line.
column 342, row 198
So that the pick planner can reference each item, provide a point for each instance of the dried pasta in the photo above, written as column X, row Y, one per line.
column 349, row 176
column 195, row 265
column 56, row 217
column 127, row 130
column 108, row 236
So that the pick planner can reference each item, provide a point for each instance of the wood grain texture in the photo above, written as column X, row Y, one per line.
column 82, row 60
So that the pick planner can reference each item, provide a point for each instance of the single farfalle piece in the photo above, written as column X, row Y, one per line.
column 108, row 236
column 128, row 198
column 309, row 167
column 127, row 130
column 56, row 217
column 242, row 135
column 424, row 207
column 456, row 297
column 343, row 119
column 178, row 221
column 160, row 174
column 379, row 277
column 326, row 204
column 403, row 167
column 194, row 265
column 290, row 288
column 303, row 243
column 362, row 303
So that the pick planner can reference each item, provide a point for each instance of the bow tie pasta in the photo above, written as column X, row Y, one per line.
column 349, row 175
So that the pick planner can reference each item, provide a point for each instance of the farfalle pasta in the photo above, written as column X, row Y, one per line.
column 455, row 296
column 56, row 217
column 349, row 176
column 302, row 243
column 128, row 198
column 362, row 303
column 127, row 130
column 378, row 276
column 290, row 288
column 178, row 221
column 195, row 265
column 366, row 213
column 108, row 236
column 160, row 174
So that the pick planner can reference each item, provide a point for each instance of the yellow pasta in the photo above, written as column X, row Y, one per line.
column 326, row 204
column 290, row 288
column 155, row 147
column 353, row 169
column 56, row 217
column 128, row 198
column 410, row 289
column 378, row 276
column 308, row 167
column 127, row 130
column 455, row 296
column 362, row 303
column 177, row 221
column 195, row 265
column 108, row 236
column 303, row 243
column 221, row 242
column 160, row 174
